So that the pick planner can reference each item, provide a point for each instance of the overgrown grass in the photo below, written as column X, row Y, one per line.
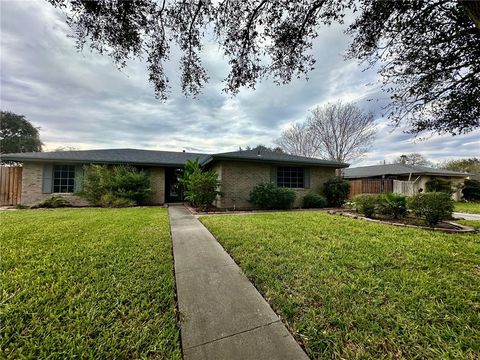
column 354, row 289
column 87, row 283
column 468, row 207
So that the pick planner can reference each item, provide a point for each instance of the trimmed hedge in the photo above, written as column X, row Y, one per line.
column 269, row 196
column 336, row 191
column 314, row 200
column 433, row 206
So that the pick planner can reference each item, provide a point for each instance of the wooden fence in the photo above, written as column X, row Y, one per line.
column 370, row 186
column 10, row 185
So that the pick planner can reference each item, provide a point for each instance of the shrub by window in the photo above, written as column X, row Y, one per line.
column 432, row 206
column 471, row 190
column 440, row 185
column 313, row 200
column 290, row 177
column 269, row 196
column 63, row 178
column 336, row 191
column 53, row 202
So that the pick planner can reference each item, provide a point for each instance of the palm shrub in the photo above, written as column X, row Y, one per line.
column 432, row 206
column 392, row 204
column 336, row 191
column 314, row 200
column 270, row 196
column 367, row 204
column 439, row 184
column 471, row 190
column 201, row 188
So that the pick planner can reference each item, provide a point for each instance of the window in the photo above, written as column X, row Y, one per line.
column 63, row 178
column 290, row 177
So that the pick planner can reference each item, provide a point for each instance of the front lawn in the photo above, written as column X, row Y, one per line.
column 87, row 283
column 354, row 289
column 468, row 207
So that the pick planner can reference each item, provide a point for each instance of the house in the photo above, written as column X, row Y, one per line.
column 49, row 173
column 409, row 179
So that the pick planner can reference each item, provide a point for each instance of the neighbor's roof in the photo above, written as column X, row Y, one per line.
column 164, row 158
column 396, row 169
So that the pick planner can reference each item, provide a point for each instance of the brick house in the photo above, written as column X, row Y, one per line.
column 60, row 173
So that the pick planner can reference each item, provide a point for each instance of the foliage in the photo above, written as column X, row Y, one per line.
column 471, row 165
column 427, row 52
column 297, row 139
column 270, row 196
column 336, row 191
column 467, row 207
column 412, row 159
column 190, row 167
column 117, row 182
column 314, row 200
column 347, row 285
column 55, row 201
column 471, row 190
column 432, row 206
column 87, row 283
column 439, row 184
column 17, row 134
column 392, row 204
column 201, row 188
column 367, row 204
column 263, row 148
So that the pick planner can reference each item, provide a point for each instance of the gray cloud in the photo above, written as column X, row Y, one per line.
column 82, row 100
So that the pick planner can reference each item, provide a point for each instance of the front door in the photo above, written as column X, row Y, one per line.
column 173, row 189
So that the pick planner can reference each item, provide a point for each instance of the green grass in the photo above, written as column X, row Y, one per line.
column 354, row 289
column 472, row 223
column 470, row 207
column 87, row 283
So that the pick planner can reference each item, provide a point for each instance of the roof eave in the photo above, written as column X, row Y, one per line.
column 270, row 161
column 72, row 161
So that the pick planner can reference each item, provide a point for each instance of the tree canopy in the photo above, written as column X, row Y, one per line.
column 427, row 52
column 17, row 134
column 413, row 159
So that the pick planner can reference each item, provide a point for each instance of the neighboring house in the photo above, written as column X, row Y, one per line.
column 417, row 176
column 47, row 173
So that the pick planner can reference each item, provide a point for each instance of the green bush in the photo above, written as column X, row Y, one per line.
column 432, row 206
column 53, row 202
column 367, row 204
column 336, row 191
column 471, row 190
column 269, row 196
column 394, row 205
column 115, row 186
column 314, row 200
column 201, row 188
column 439, row 184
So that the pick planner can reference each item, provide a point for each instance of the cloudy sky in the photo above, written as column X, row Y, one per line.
column 82, row 100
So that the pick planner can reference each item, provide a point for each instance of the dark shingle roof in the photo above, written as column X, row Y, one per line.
column 164, row 158
column 111, row 156
column 274, row 157
column 396, row 169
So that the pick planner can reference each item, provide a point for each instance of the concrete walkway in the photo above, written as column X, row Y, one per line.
column 223, row 316
column 466, row 216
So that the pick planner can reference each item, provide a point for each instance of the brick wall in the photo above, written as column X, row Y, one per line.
column 32, row 177
column 239, row 178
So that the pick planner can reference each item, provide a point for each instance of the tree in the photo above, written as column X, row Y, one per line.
column 17, row 134
column 471, row 165
column 427, row 52
column 264, row 148
column 299, row 140
column 413, row 159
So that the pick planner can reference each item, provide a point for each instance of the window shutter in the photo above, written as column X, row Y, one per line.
column 47, row 182
column 306, row 178
column 273, row 175
column 78, row 178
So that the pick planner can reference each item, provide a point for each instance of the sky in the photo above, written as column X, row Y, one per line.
column 81, row 100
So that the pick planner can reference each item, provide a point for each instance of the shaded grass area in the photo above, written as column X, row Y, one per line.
column 87, row 283
column 353, row 289
column 473, row 223
column 468, row 207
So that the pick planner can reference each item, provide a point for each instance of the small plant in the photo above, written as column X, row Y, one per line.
column 269, row 196
column 471, row 190
column 394, row 205
column 433, row 206
column 201, row 188
column 53, row 202
column 336, row 191
column 112, row 201
column 439, row 184
column 367, row 204
column 314, row 200
column 21, row 207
